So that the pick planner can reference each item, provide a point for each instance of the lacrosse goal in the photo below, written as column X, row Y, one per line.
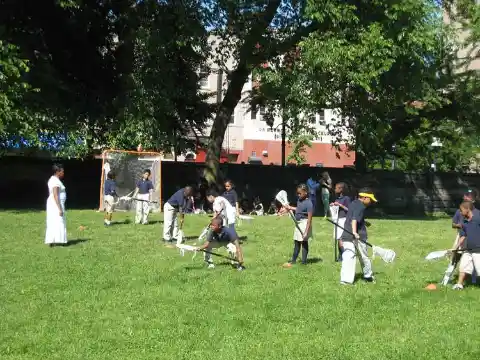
column 128, row 167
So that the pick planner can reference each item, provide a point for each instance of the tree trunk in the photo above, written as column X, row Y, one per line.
column 220, row 123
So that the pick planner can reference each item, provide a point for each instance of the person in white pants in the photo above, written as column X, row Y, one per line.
column 143, row 194
column 470, row 241
column 342, row 202
column 353, row 239
column 221, row 236
column 173, row 207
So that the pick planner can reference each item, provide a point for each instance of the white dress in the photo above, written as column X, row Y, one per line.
column 56, row 225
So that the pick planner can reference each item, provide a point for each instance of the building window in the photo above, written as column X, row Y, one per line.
column 203, row 79
column 321, row 117
column 313, row 119
column 254, row 153
column 262, row 110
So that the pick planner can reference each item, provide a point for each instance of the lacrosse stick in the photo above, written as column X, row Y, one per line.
column 451, row 268
column 194, row 249
column 282, row 198
column 180, row 237
column 150, row 202
column 387, row 255
column 334, row 212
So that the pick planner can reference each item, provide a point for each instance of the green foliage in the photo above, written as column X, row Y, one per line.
column 12, row 90
column 111, row 73
column 300, row 143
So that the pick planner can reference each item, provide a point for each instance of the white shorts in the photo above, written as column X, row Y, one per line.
column 109, row 203
column 469, row 262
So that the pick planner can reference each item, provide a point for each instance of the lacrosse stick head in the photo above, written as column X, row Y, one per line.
column 282, row 197
column 334, row 212
column 436, row 255
column 387, row 255
column 185, row 247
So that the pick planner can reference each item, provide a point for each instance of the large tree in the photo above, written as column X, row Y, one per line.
column 346, row 45
column 109, row 73
column 387, row 78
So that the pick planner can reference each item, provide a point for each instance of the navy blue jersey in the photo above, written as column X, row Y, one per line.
column 231, row 197
column 304, row 207
column 471, row 231
column 356, row 211
column 225, row 235
column 110, row 187
column 178, row 200
column 144, row 186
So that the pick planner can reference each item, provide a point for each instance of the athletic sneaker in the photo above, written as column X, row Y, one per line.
column 345, row 283
column 240, row 268
column 211, row 266
column 457, row 287
column 370, row 279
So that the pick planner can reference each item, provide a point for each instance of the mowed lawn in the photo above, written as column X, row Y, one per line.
column 117, row 293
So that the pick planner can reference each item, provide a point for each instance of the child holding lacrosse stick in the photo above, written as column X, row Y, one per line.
column 354, row 237
column 142, row 194
column 221, row 236
column 173, row 207
column 110, row 191
column 343, row 202
column 303, row 225
column 222, row 209
column 469, row 241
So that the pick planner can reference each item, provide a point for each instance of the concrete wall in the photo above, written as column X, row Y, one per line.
column 23, row 184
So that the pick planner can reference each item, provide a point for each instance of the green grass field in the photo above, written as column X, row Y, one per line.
column 120, row 294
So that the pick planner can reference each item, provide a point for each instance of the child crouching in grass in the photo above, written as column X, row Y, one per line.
column 303, row 226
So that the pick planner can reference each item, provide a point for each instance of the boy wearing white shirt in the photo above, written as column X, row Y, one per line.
column 222, row 209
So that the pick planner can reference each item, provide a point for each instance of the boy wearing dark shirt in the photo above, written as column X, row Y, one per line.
column 143, row 193
column 110, row 191
column 343, row 202
column 175, row 206
column 221, row 236
column 354, row 237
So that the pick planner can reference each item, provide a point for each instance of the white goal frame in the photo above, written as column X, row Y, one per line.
column 140, row 154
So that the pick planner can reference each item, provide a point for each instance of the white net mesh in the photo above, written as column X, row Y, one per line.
column 387, row 255
column 128, row 168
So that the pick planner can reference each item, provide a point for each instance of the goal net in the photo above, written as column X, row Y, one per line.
column 128, row 167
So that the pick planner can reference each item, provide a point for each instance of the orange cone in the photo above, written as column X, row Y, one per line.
column 431, row 287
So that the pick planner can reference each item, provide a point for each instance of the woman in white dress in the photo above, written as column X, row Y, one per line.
column 56, row 223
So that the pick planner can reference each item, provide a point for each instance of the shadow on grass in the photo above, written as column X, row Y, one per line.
column 70, row 243
column 314, row 260
column 75, row 242
column 359, row 277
